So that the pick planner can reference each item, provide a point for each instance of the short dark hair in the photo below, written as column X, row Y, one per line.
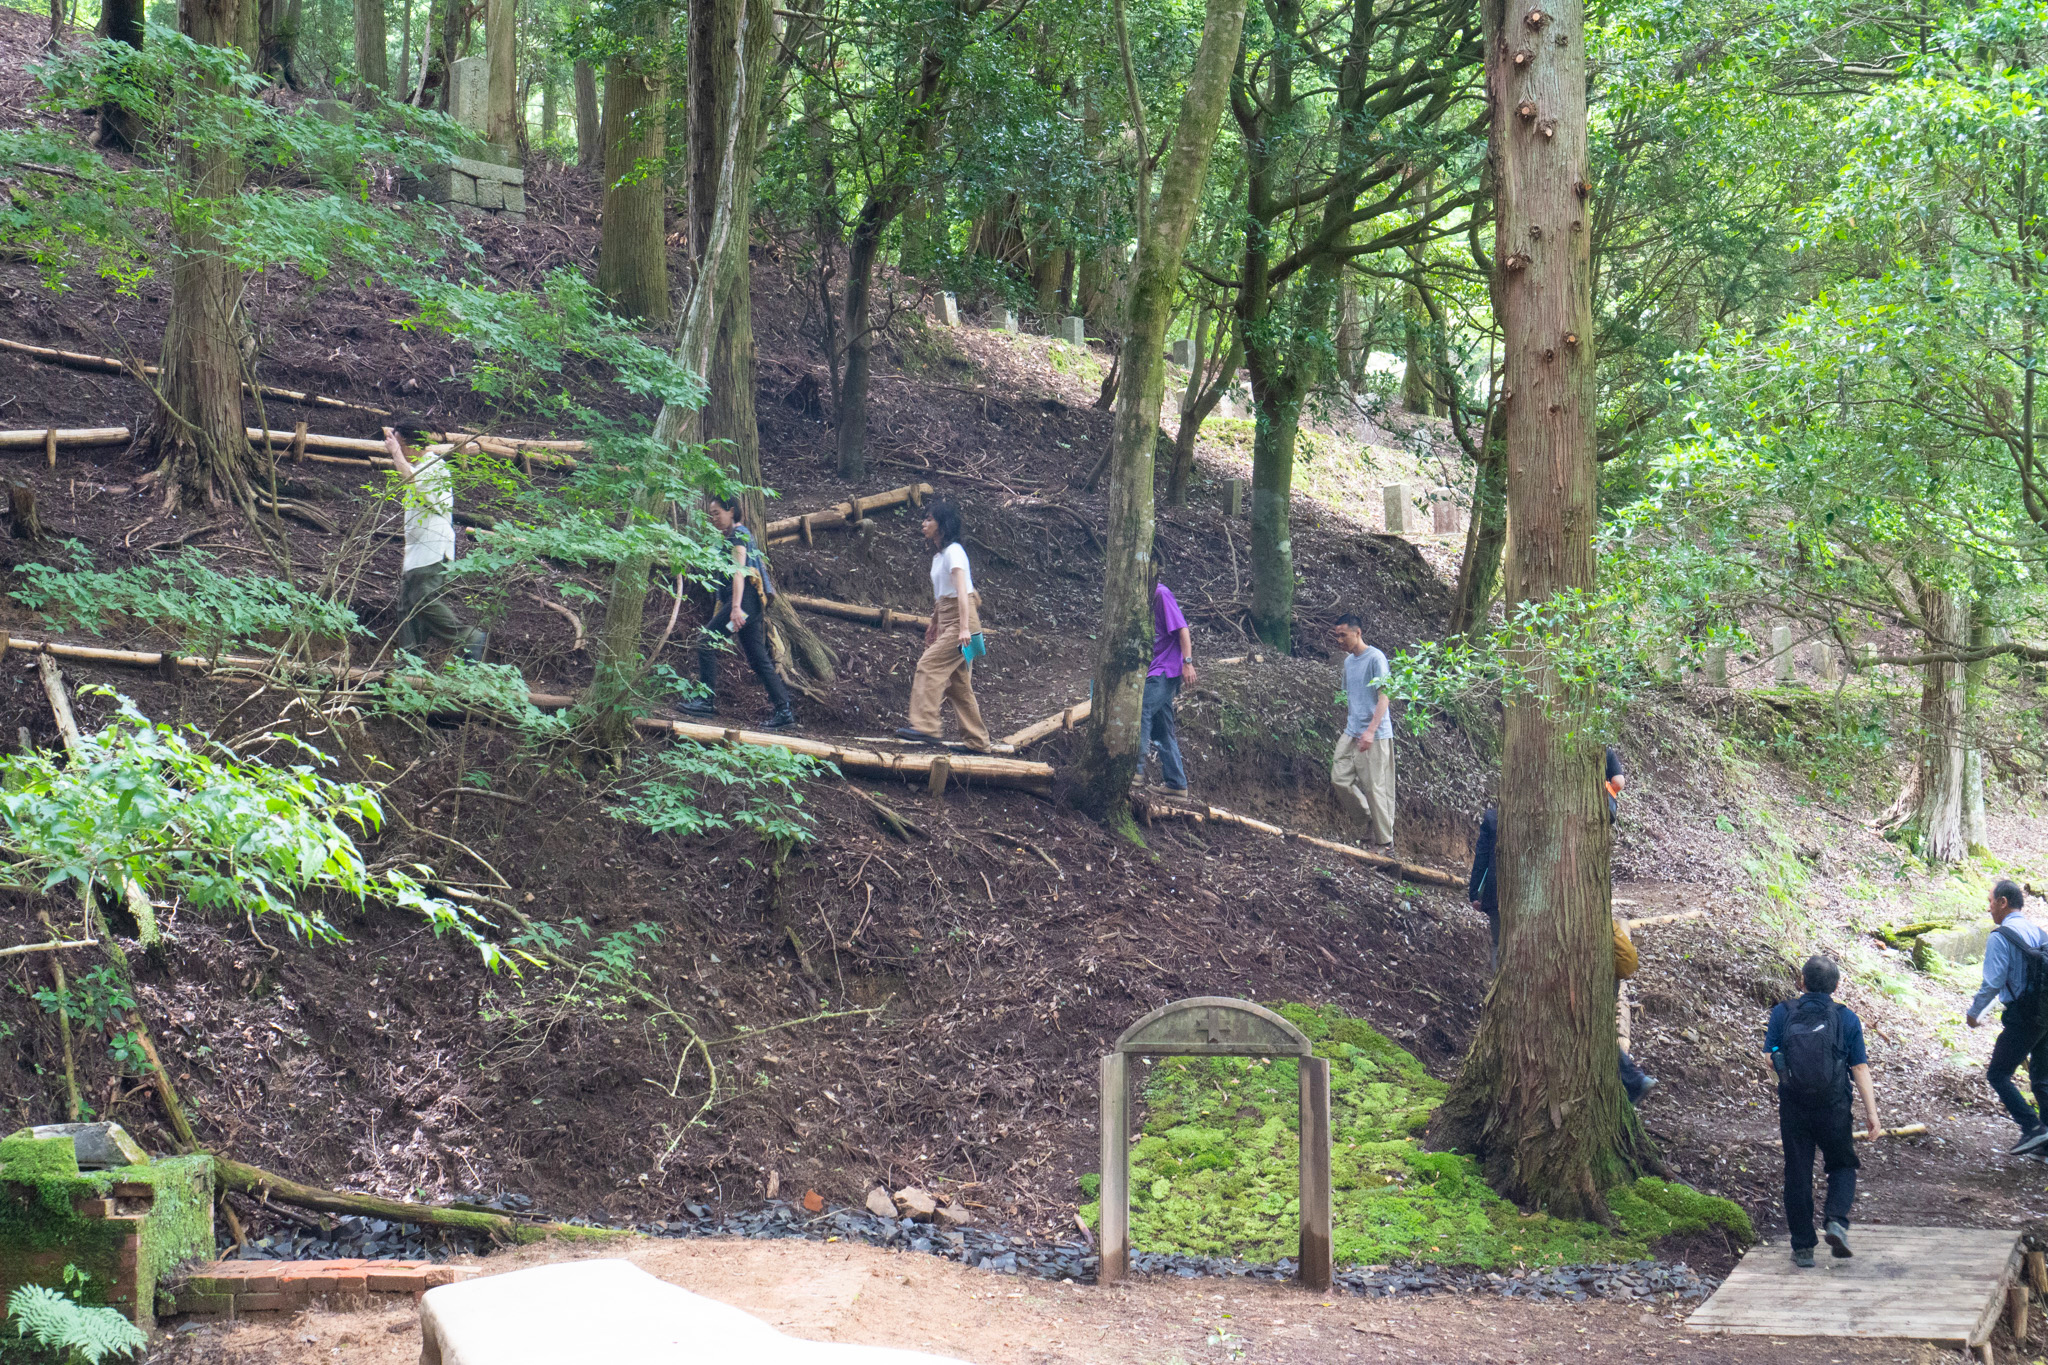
column 411, row 426
column 729, row 504
column 2009, row 891
column 1352, row 619
column 1820, row 975
column 946, row 513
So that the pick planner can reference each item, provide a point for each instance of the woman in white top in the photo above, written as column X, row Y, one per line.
column 945, row 670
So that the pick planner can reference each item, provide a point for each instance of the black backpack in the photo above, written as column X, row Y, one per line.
column 2032, row 1001
column 1810, row 1066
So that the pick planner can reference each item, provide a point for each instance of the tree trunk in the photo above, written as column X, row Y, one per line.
column 1111, row 744
column 503, row 112
column 1936, row 828
column 632, row 261
column 121, row 22
column 1976, row 828
column 1206, row 385
column 589, row 135
column 1415, row 355
column 547, row 109
column 1538, row 1100
column 1277, row 394
column 1350, row 336
column 1486, row 536
column 198, row 430
column 403, row 90
column 372, row 67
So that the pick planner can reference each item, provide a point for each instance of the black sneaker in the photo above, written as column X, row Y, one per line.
column 918, row 736
column 2037, row 1137
column 1838, row 1240
column 783, row 719
column 1803, row 1257
column 699, row 706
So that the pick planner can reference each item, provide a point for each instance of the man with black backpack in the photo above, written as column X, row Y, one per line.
column 2016, row 974
column 1816, row 1047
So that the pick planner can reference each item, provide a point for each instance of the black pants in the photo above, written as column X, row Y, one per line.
column 2021, row 1040
column 752, row 639
column 1806, row 1130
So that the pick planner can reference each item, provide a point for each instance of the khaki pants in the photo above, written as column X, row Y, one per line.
column 1364, row 780
column 943, row 675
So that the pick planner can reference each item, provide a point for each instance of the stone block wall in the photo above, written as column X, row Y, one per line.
column 481, row 185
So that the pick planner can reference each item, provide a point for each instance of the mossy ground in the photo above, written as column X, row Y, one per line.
column 1215, row 1171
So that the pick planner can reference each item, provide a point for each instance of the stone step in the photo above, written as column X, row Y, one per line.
column 238, row 1288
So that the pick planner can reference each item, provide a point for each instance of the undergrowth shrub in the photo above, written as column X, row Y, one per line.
column 54, row 1327
column 1216, row 1170
column 693, row 789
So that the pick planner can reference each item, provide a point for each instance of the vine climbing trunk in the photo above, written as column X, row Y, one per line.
column 197, row 431
column 1538, row 1099
column 632, row 258
column 1111, row 744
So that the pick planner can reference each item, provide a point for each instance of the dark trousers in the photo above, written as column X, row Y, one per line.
column 2021, row 1040
column 1806, row 1131
column 424, row 615
column 1156, row 726
column 752, row 639
column 1632, row 1078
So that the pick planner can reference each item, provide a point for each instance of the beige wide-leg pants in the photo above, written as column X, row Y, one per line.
column 1364, row 780
column 943, row 675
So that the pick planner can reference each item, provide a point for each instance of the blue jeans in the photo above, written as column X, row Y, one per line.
column 1156, row 727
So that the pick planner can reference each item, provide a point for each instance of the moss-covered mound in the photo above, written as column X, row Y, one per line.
column 1215, row 1171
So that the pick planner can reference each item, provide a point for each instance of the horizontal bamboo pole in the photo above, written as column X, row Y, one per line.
column 1062, row 720
column 142, row 658
column 1634, row 924
column 983, row 768
column 1407, row 872
column 844, row 513
column 26, row 948
column 1865, row 1135
column 66, row 436
column 78, row 360
column 885, row 617
column 521, row 442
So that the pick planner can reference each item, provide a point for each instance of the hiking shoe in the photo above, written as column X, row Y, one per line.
column 699, row 706
column 1649, row 1083
column 1803, row 1257
column 1838, row 1241
column 783, row 719
column 918, row 736
column 2030, row 1141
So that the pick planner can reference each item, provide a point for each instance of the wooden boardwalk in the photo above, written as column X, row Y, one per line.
column 1945, row 1285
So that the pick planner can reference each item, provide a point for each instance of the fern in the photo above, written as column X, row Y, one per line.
column 56, row 1323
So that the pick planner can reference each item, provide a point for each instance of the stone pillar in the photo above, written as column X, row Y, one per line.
column 1717, row 665
column 949, row 311
column 1182, row 352
column 1116, row 1170
column 1010, row 320
column 1443, row 511
column 1313, row 1268
column 1866, row 655
column 1827, row 662
column 469, row 92
column 1667, row 662
column 1233, row 498
column 1396, row 498
column 1074, row 331
column 1782, row 660
column 1225, row 409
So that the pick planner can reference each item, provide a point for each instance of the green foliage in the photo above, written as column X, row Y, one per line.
column 675, row 791
column 56, row 1323
column 1215, row 1172
column 198, row 606
column 413, row 690
column 187, row 819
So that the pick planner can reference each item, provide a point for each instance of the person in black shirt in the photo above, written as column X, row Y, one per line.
column 738, row 610
column 1816, row 1047
column 1482, row 888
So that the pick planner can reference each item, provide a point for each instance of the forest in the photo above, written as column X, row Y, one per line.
column 382, row 384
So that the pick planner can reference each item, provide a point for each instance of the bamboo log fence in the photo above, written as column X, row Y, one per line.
column 1150, row 811
column 885, row 617
column 78, row 360
column 843, row 514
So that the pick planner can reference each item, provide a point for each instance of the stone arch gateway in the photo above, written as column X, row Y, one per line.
column 1216, row 1026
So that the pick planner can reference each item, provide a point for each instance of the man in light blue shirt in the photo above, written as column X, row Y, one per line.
column 2024, row 1036
column 1362, row 769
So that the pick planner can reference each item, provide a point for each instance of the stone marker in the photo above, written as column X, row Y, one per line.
column 469, row 92
column 880, row 1204
column 949, row 311
column 953, row 1216
column 1443, row 511
column 100, row 1146
column 912, row 1202
column 1717, row 665
column 1866, row 655
column 1225, row 409
column 1182, row 353
column 1233, row 498
column 1667, row 661
column 1827, row 663
column 1396, row 496
column 1782, row 661
column 1074, row 331
column 1010, row 320
column 611, row 1310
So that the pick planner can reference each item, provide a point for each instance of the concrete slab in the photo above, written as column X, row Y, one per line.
column 611, row 1310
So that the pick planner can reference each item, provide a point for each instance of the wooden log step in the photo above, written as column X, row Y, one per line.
column 39, row 438
column 886, row 617
column 78, row 360
column 1060, row 720
column 986, row 769
column 840, row 514
column 1150, row 811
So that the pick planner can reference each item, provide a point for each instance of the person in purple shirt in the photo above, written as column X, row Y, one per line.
column 1173, row 664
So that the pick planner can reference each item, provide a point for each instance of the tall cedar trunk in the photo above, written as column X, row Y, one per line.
column 1538, row 1099
column 503, row 112
column 886, row 199
column 1937, row 822
column 1487, row 535
column 617, row 677
column 1276, row 395
column 372, row 67
column 728, row 414
column 198, row 430
column 120, row 21
column 589, row 134
column 1976, row 829
column 404, row 89
column 1110, row 746
column 547, row 108
column 632, row 260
